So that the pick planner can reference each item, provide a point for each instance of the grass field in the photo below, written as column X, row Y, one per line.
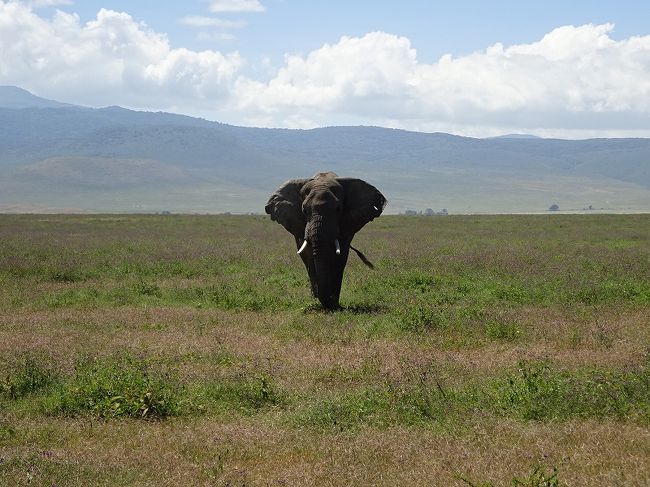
column 185, row 350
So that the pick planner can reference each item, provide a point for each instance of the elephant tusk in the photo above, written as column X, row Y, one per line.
column 302, row 247
column 338, row 247
column 376, row 209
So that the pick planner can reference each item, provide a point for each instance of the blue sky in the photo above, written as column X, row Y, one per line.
column 434, row 28
column 570, row 69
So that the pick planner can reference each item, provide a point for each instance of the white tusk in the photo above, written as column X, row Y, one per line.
column 377, row 209
column 302, row 247
column 338, row 247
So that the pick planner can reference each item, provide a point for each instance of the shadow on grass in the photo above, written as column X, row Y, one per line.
column 356, row 309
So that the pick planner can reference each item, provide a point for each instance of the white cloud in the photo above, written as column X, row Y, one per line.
column 236, row 6
column 202, row 22
column 575, row 81
column 112, row 59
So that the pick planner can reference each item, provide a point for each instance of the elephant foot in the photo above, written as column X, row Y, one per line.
column 330, row 305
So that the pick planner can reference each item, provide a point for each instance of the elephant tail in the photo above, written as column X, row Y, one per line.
column 363, row 258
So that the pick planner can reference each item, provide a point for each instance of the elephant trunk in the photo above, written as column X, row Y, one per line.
column 323, row 235
column 325, row 281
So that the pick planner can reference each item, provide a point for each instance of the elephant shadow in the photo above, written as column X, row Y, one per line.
column 354, row 308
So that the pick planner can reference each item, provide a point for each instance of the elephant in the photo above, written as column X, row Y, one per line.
column 323, row 214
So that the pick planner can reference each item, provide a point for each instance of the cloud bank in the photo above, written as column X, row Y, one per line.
column 575, row 81
column 110, row 60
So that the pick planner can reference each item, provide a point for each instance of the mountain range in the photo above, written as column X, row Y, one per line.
column 61, row 157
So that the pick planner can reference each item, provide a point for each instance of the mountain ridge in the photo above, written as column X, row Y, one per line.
column 418, row 170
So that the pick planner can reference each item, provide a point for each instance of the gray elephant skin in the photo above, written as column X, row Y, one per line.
column 323, row 214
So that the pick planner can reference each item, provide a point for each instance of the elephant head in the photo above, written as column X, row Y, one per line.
column 323, row 214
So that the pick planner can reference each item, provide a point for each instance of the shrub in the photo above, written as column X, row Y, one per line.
column 118, row 387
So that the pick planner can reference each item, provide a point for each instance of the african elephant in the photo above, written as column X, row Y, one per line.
column 323, row 214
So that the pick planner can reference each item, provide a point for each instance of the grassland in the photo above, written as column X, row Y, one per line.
column 183, row 350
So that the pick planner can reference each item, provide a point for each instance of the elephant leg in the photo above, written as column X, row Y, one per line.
column 341, row 262
column 308, row 260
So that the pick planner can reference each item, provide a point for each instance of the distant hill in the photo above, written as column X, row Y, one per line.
column 14, row 97
column 57, row 156
column 516, row 136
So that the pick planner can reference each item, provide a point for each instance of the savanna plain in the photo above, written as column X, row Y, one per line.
column 186, row 350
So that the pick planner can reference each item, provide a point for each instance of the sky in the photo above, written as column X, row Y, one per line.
column 479, row 68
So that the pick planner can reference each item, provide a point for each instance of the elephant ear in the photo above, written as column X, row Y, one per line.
column 363, row 203
column 285, row 207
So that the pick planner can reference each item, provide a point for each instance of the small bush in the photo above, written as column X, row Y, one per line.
column 117, row 387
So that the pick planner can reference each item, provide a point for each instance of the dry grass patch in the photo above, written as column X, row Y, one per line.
column 211, row 452
column 205, row 343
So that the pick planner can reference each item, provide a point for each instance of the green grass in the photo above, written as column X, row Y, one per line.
column 558, row 266
column 534, row 392
column 125, row 386
column 27, row 374
column 114, row 388
column 496, row 341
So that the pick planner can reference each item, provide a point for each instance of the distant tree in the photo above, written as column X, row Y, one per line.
column 428, row 212
column 554, row 207
column 410, row 212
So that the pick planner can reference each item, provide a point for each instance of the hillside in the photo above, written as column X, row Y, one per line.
column 14, row 97
column 63, row 157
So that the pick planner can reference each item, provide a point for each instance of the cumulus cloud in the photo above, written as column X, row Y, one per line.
column 575, row 78
column 218, row 6
column 575, row 81
column 112, row 59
